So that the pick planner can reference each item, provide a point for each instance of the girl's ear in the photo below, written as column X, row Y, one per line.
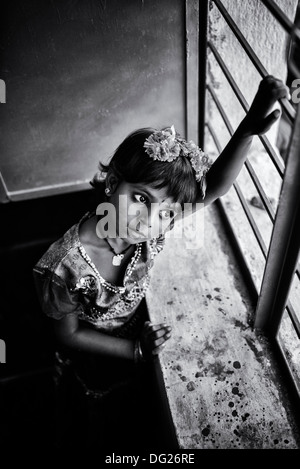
column 111, row 181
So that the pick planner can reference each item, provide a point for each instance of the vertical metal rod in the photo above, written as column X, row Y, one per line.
column 285, row 242
column 286, row 106
column 277, row 161
column 203, row 24
column 248, row 165
column 186, row 91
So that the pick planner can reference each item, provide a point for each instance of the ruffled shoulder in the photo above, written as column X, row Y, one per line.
column 55, row 297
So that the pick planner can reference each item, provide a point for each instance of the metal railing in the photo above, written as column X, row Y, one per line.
column 282, row 253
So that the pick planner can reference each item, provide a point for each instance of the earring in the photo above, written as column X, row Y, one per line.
column 107, row 191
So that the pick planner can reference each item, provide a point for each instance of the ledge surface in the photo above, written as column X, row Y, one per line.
column 223, row 386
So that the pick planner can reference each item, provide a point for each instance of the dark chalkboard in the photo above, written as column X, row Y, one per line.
column 80, row 75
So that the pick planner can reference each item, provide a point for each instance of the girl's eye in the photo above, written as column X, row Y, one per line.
column 166, row 214
column 140, row 198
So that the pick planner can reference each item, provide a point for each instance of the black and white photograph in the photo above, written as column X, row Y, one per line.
column 150, row 229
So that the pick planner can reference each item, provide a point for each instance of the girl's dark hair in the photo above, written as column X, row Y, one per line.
column 131, row 163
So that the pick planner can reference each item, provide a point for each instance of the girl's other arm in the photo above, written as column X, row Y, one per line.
column 258, row 120
column 71, row 334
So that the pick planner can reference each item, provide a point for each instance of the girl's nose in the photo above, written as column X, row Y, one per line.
column 146, row 225
column 154, row 223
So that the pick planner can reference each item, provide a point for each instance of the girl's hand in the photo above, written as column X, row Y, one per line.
column 258, row 119
column 153, row 338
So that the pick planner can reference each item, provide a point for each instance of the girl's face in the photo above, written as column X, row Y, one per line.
column 142, row 212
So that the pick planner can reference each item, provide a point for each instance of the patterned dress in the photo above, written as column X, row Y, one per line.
column 68, row 282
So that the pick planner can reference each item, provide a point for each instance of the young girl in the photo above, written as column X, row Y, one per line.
column 92, row 280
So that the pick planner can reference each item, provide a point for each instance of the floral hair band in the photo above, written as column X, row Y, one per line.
column 166, row 145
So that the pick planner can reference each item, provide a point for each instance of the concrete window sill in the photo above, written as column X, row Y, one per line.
column 222, row 384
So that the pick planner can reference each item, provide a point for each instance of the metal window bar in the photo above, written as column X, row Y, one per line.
column 293, row 318
column 253, row 175
column 280, row 266
column 203, row 35
column 286, row 106
column 288, row 368
column 285, row 22
column 285, row 243
column 238, row 249
column 241, row 197
column 251, row 219
column 289, row 307
column 237, row 187
column 268, row 147
column 274, row 157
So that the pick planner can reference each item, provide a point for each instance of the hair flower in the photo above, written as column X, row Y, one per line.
column 163, row 145
column 167, row 145
column 200, row 164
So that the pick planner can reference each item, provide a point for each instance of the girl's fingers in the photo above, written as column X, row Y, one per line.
column 155, row 336
column 270, row 78
column 273, row 116
column 281, row 92
column 274, row 84
column 158, row 342
column 161, row 340
column 158, row 349
column 159, row 333
column 154, row 327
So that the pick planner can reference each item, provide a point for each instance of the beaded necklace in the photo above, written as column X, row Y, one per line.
column 117, row 258
column 129, row 269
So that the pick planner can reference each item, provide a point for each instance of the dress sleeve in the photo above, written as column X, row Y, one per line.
column 54, row 296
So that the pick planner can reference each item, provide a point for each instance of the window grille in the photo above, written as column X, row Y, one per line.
column 278, row 295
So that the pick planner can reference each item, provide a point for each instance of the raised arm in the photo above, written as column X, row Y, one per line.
column 258, row 120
